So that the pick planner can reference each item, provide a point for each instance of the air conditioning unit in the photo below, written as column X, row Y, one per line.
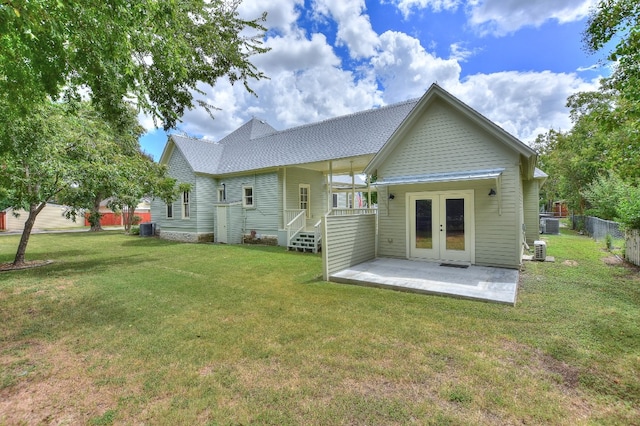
column 552, row 226
column 540, row 250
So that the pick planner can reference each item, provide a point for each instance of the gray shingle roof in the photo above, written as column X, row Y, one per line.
column 256, row 145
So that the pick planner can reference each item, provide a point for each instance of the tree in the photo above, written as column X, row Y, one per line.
column 618, row 20
column 140, row 177
column 113, row 148
column 40, row 161
column 153, row 52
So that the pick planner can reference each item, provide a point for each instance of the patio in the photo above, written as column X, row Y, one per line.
column 472, row 282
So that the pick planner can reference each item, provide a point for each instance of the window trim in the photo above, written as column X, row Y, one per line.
column 308, row 201
column 186, row 205
column 245, row 197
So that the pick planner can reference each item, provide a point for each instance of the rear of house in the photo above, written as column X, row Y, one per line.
column 451, row 185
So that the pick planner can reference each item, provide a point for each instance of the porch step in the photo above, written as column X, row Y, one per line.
column 305, row 242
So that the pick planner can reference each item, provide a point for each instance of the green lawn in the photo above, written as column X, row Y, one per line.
column 130, row 330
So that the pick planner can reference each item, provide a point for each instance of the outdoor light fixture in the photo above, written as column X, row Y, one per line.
column 492, row 192
column 391, row 196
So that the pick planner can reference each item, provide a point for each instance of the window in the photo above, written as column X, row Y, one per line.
column 335, row 201
column 169, row 211
column 186, row 213
column 221, row 195
column 350, row 200
column 305, row 198
column 247, row 197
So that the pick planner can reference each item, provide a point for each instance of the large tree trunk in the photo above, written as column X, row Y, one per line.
column 96, row 216
column 34, row 210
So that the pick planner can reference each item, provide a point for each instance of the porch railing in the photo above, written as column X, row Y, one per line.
column 317, row 233
column 296, row 221
column 349, row 212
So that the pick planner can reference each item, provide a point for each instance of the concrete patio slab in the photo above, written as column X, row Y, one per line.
column 473, row 282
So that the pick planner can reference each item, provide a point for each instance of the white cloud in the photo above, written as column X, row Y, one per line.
column 296, row 52
column 406, row 69
column 354, row 27
column 308, row 83
column 524, row 104
column 408, row 6
column 281, row 14
column 500, row 17
column 460, row 53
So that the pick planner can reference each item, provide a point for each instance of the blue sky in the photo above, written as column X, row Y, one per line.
column 515, row 61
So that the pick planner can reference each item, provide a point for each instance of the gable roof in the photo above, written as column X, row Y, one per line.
column 256, row 145
column 436, row 92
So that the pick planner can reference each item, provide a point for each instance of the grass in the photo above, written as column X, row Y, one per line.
column 129, row 330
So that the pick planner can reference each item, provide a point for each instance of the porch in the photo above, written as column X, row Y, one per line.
column 472, row 282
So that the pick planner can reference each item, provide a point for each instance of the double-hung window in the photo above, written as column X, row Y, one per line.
column 186, row 209
column 248, row 200
column 169, row 211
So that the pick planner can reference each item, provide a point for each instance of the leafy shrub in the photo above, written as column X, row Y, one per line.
column 603, row 196
column 629, row 208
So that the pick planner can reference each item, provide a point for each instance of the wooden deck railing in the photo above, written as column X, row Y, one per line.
column 317, row 232
column 349, row 212
column 296, row 221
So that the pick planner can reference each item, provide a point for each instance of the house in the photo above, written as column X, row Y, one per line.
column 52, row 216
column 452, row 186
column 349, row 191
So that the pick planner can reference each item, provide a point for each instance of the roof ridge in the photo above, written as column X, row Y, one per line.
column 193, row 138
column 341, row 117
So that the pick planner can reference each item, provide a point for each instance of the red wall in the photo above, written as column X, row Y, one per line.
column 114, row 219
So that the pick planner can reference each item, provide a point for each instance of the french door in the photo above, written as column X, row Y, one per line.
column 441, row 226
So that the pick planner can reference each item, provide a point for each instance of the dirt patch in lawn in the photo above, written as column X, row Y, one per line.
column 612, row 260
column 4, row 267
column 49, row 386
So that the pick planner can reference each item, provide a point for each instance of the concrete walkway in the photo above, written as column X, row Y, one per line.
column 474, row 282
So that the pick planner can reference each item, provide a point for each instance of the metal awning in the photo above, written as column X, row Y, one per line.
column 442, row 177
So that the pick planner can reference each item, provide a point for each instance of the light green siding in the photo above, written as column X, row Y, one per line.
column 347, row 241
column 206, row 196
column 179, row 169
column 443, row 141
column 317, row 181
column 531, row 189
column 265, row 215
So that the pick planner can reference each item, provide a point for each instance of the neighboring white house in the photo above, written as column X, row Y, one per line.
column 51, row 217
column 451, row 185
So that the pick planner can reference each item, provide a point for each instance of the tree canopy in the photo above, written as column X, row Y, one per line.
column 595, row 166
column 152, row 52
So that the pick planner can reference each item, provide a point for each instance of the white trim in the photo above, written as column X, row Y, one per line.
column 307, row 202
column 246, row 197
column 469, row 254
column 186, row 205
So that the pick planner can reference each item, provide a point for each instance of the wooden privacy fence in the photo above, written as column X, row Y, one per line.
column 632, row 247
column 115, row 219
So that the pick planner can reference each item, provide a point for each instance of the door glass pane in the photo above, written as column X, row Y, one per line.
column 424, row 219
column 455, row 223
